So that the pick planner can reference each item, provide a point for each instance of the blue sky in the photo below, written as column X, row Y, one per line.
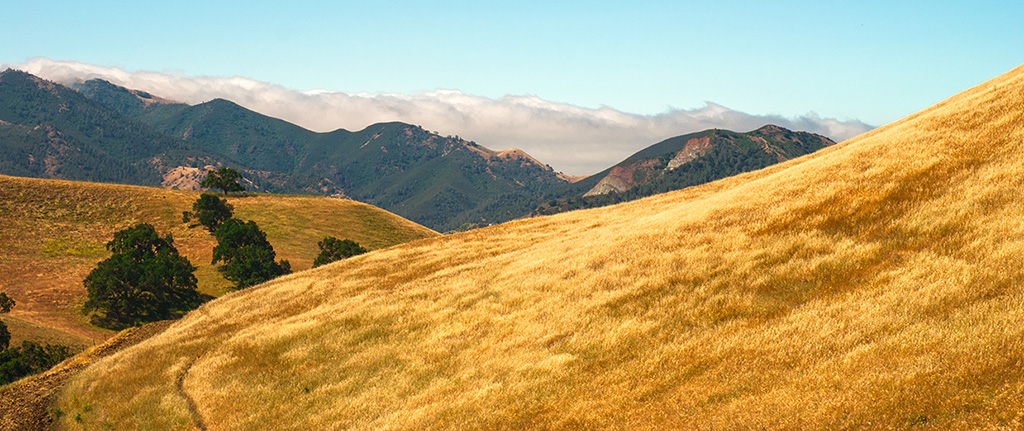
column 871, row 61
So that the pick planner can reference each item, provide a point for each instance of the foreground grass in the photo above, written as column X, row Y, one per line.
column 876, row 284
column 52, row 233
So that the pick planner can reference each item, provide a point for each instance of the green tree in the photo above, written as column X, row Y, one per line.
column 247, row 255
column 6, row 303
column 30, row 358
column 253, row 265
column 5, row 336
column 144, row 280
column 225, row 179
column 333, row 249
column 210, row 211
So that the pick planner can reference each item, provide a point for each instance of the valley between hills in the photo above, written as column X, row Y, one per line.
column 871, row 284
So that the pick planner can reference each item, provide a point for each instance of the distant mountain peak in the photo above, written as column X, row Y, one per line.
column 15, row 74
column 512, row 155
column 10, row 71
column 779, row 143
column 517, row 154
column 684, row 161
column 143, row 96
column 771, row 128
column 125, row 100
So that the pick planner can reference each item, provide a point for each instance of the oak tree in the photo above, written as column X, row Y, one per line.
column 333, row 249
column 247, row 255
column 144, row 280
column 210, row 211
column 225, row 179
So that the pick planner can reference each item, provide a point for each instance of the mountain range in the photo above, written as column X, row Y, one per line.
column 102, row 132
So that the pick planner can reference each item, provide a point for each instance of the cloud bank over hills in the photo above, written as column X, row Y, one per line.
column 572, row 139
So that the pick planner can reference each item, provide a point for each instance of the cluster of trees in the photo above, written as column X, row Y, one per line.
column 30, row 358
column 146, row 279
column 247, row 256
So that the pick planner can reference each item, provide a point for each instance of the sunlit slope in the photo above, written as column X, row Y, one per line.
column 52, row 233
column 876, row 284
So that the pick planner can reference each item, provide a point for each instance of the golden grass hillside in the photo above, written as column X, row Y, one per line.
column 876, row 284
column 52, row 233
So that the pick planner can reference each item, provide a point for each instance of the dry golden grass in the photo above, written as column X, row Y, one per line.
column 52, row 233
column 876, row 284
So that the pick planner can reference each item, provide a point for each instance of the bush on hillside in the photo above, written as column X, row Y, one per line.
column 332, row 249
column 5, row 336
column 6, row 303
column 30, row 358
column 247, row 255
column 144, row 280
column 225, row 179
column 210, row 211
column 253, row 265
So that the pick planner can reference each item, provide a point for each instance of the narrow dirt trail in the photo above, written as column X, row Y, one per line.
column 197, row 419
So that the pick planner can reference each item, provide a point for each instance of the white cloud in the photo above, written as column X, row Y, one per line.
column 572, row 139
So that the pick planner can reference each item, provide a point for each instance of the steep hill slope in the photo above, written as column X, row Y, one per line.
column 684, row 161
column 52, row 233
column 441, row 182
column 875, row 284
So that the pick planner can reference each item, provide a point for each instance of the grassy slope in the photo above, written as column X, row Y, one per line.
column 874, row 284
column 53, row 232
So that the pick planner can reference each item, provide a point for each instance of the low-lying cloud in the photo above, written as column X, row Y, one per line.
column 572, row 139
